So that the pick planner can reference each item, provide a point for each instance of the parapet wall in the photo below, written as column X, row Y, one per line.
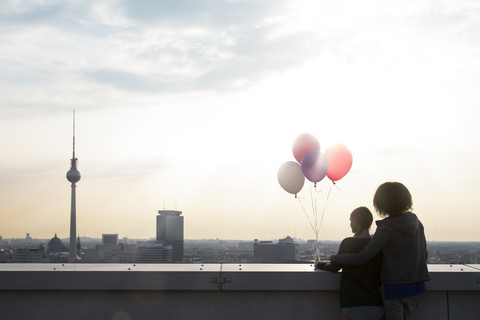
column 211, row 291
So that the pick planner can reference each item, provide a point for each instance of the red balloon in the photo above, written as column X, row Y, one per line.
column 339, row 160
column 303, row 144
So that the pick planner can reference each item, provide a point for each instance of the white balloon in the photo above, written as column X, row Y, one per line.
column 290, row 177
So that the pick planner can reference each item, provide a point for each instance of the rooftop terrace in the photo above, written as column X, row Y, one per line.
column 207, row 291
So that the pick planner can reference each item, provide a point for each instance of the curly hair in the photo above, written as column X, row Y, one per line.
column 392, row 199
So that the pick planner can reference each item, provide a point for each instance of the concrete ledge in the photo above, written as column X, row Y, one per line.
column 454, row 277
column 205, row 277
column 213, row 291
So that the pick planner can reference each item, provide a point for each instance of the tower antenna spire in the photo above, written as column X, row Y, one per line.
column 73, row 134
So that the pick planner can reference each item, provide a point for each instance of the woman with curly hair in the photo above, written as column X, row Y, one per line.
column 400, row 237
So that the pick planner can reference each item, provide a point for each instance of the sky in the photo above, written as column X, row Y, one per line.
column 193, row 105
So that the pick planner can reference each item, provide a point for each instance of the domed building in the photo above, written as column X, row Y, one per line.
column 56, row 245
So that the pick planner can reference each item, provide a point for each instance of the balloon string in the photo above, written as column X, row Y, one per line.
column 317, row 227
column 336, row 187
column 313, row 218
column 317, row 243
column 306, row 214
column 313, row 197
column 326, row 202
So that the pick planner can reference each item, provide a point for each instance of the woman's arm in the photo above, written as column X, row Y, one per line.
column 333, row 266
column 375, row 245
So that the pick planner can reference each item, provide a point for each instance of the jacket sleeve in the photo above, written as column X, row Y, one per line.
column 376, row 244
column 333, row 266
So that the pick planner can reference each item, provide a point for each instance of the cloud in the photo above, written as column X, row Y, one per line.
column 157, row 47
column 154, row 47
column 200, row 12
column 210, row 66
column 125, row 80
column 29, row 11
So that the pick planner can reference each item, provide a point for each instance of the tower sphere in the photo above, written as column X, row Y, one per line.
column 73, row 175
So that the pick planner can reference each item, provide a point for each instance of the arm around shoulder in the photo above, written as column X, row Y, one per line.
column 376, row 244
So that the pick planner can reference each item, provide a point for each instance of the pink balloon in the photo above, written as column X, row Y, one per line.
column 303, row 144
column 314, row 166
column 340, row 161
column 290, row 177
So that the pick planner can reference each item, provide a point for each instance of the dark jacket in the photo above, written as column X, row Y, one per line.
column 359, row 285
column 404, row 249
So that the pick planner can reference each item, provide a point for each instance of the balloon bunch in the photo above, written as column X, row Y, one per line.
column 313, row 165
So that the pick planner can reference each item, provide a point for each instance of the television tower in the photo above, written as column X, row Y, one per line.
column 73, row 175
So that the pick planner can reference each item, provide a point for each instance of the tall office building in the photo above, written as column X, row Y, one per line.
column 170, row 231
column 73, row 175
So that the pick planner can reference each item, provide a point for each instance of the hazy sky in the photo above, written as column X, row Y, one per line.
column 195, row 104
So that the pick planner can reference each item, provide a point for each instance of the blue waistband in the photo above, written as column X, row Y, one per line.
column 400, row 291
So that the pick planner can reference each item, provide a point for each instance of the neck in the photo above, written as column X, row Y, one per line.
column 362, row 233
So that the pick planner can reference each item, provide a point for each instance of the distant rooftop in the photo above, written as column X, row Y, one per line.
column 169, row 212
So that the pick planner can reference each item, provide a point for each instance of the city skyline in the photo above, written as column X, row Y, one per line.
column 194, row 106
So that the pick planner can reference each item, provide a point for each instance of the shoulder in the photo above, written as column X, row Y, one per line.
column 415, row 217
column 347, row 240
column 384, row 225
column 353, row 244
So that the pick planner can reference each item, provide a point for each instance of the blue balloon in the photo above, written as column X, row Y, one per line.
column 314, row 166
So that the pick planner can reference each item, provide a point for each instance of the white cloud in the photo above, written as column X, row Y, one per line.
column 213, row 91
